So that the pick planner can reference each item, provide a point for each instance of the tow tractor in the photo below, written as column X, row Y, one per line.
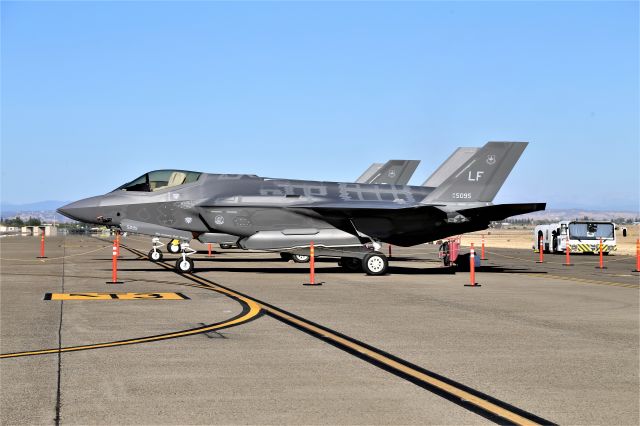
column 449, row 252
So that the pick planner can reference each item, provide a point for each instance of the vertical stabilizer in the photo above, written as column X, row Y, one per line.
column 393, row 172
column 450, row 165
column 369, row 173
column 481, row 176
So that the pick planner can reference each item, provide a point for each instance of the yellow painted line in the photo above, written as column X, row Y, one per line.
column 451, row 389
column 115, row 296
column 254, row 310
column 479, row 402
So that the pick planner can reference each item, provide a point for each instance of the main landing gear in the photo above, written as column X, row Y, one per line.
column 372, row 264
column 375, row 264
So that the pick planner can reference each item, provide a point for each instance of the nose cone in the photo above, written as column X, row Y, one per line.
column 86, row 210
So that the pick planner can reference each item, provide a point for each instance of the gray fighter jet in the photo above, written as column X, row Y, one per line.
column 393, row 172
column 345, row 220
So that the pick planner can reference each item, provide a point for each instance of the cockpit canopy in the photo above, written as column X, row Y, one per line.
column 160, row 179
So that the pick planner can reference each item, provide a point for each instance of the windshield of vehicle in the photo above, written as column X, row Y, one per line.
column 160, row 179
column 590, row 230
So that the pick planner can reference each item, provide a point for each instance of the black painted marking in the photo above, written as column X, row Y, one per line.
column 425, row 385
column 183, row 296
column 59, row 378
column 47, row 296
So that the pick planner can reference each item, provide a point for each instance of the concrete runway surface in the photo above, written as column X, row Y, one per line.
column 243, row 341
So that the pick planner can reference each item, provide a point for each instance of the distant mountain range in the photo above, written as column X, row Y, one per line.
column 8, row 208
column 553, row 215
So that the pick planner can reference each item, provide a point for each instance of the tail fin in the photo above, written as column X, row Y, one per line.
column 481, row 176
column 450, row 165
column 393, row 172
column 369, row 173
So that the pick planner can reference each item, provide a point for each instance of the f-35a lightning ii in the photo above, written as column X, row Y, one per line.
column 345, row 220
column 393, row 172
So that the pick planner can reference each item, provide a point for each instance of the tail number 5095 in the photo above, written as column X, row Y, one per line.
column 461, row 195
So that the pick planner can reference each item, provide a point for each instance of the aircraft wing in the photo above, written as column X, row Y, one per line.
column 377, row 220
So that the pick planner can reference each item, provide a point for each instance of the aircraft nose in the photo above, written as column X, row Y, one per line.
column 85, row 210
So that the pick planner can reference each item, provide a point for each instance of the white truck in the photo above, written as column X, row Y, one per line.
column 583, row 236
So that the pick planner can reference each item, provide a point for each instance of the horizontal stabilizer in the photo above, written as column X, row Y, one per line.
column 498, row 212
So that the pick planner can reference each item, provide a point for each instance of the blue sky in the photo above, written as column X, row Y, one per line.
column 95, row 94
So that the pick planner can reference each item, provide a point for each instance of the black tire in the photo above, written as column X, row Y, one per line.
column 155, row 255
column 225, row 246
column 351, row 264
column 375, row 264
column 173, row 248
column 301, row 258
column 184, row 266
column 286, row 256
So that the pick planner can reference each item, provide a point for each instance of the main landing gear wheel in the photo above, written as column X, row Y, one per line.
column 155, row 255
column 225, row 246
column 184, row 266
column 351, row 264
column 375, row 264
column 301, row 258
column 173, row 246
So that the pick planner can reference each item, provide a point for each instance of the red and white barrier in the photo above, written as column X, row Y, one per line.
column 42, row 256
column 114, row 264
column 472, row 268
column 601, row 265
column 567, row 251
column 541, row 250
column 312, row 267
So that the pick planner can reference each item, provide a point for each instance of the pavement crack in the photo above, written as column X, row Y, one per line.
column 58, row 386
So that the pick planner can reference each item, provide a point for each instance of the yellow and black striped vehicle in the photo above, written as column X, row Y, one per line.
column 582, row 236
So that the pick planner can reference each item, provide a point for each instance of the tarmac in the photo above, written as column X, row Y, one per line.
column 242, row 341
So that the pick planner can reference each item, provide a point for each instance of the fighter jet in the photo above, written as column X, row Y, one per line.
column 345, row 220
column 393, row 172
